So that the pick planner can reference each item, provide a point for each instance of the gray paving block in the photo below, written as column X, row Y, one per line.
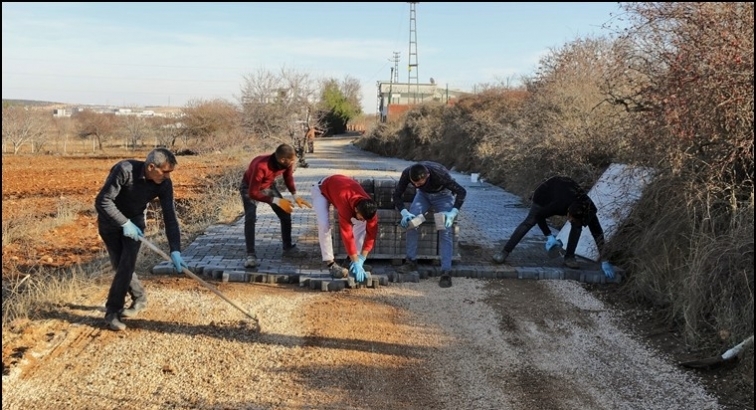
column 334, row 285
column 572, row 274
column 507, row 272
column 527, row 273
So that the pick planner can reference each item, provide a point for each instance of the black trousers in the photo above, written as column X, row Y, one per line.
column 123, row 254
column 572, row 240
column 250, row 219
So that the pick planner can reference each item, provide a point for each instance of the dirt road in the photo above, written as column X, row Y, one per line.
column 481, row 344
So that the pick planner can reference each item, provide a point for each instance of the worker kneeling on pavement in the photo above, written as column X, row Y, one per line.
column 562, row 196
column 358, row 223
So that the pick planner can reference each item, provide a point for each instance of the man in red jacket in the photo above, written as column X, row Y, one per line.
column 258, row 185
column 358, row 222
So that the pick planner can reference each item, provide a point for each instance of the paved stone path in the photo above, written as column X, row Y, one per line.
column 487, row 218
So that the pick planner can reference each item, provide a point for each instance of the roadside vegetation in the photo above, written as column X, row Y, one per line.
column 673, row 90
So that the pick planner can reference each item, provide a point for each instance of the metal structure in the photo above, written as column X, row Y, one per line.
column 413, row 74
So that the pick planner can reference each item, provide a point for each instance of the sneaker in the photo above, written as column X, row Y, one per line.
column 113, row 320
column 337, row 271
column 409, row 266
column 500, row 257
column 445, row 280
column 136, row 306
column 293, row 252
column 571, row 263
column 251, row 261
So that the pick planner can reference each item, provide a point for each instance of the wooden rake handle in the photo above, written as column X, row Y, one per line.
column 197, row 278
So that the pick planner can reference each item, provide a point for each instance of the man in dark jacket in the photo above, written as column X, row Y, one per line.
column 560, row 196
column 120, row 206
column 258, row 185
column 435, row 189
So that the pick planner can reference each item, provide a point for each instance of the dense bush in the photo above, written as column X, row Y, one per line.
column 673, row 90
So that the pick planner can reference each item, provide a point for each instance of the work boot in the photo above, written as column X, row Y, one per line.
column 136, row 306
column 445, row 280
column 293, row 252
column 409, row 266
column 337, row 271
column 500, row 257
column 113, row 320
column 571, row 263
column 251, row 261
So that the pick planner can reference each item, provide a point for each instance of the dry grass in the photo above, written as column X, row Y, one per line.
column 25, row 295
column 28, row 226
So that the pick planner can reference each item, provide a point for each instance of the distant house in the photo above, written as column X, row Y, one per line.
column 61, row 112
column 396, row 98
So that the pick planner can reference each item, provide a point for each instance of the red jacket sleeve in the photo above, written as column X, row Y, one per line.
column 289, row 180
column 371, row 232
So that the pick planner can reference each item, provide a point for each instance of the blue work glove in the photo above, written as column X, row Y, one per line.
column 406, row 217
column 449, row 217
column 356, row 270
column 552, row 241
column 178, row 263
column 608, row 269
column 361, row 259
column 131, row 231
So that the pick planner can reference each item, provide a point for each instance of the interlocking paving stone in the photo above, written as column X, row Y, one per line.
column 487, row 218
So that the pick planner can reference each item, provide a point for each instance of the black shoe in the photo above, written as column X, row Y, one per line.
column 293, row 252
column 500, row 257
column 571, row 263
column 445, row 280
column 409, row 266
column 136, row 306
column 113, row 320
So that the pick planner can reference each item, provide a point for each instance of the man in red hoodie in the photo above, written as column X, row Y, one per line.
column 358, row 222
column 258, row 185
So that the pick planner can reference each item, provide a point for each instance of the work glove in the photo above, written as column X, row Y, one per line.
column 178, row 262
column 301, row 202
column 131, row 231
column 552, row 241
column 284, row 204
column 406, row 217
column 608, row 269
column 449, row 217
column 356, row 270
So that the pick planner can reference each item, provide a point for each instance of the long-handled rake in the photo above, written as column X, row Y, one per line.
column 716, row 361
column 187, row 272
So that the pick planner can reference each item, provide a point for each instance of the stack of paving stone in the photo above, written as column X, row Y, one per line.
column 391, row 241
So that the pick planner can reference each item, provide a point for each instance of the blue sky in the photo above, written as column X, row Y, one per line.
column 169, row 53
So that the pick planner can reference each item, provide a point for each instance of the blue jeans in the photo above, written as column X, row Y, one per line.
column 123, row 254
column 250, row 219
column 440, row 202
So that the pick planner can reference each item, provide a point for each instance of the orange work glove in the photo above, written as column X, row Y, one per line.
column 284, row 204
column 301, row 202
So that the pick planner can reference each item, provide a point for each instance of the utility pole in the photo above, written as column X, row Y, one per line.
column 394, row 74
column 413, row 50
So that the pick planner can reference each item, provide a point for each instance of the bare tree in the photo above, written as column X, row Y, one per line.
column 62, row 128
column 165, row 130
column 22, row 125
column 99, row 126
column 272, row 103
column 210, row 124
column 135, row 128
